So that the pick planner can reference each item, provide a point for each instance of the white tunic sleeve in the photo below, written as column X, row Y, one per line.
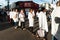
column 21, row 17
column 45, row 25
column 40, row 19
column 29, row 15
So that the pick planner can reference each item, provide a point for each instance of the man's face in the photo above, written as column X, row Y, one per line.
column 45, row 10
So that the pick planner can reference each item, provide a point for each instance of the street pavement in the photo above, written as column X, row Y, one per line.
column 12, row 34
column 18, row 34
column 7, row 32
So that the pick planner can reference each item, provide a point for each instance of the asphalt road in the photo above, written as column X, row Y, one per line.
column 12, row 34
column 18, row 34
column 7, row 32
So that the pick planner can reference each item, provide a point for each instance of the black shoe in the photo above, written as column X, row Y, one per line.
column 19, row 26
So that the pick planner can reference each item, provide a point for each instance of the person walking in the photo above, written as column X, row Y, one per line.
column 31, row 20
column 55, row 22
column 43, row 26
column 15, row 18
column 22, row 19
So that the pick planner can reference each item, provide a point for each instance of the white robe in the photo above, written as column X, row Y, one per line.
column 33, row 13
column 21, row 17
column 31, row 19
column 15, row 16
column 55, row 26
column 43, row 21
column 11, row 14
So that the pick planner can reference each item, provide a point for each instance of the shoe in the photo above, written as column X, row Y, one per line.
column 24, row 28
column 19, row 27
column 33, row 34
column 37, row 36
column 15, row 27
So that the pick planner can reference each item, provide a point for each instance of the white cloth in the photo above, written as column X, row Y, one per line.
column 37, row 14
column 11, row 14
column 31, row 19
column 19, row 23
column 8, row 13
column 43, row 21
column 33, row 13
column 15, row 16
column 21, row 16
column 55, row 31
column 41, row 33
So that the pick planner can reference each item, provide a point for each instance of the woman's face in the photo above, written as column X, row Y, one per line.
column 31, row 10
column 45, row 10
column 21, row 11
column 16, row 10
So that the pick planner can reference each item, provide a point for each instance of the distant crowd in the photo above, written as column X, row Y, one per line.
column 17, row 19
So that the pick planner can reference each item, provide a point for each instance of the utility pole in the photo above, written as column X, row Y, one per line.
column 52, row 2
column 8, row 4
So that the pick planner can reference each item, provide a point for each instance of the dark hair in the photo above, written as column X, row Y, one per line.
column 30, row 10
column 21, row 9
column 39, row 10
column 42, row 8
column 11, row 10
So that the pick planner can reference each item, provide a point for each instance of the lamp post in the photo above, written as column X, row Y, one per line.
column 8, row 4
column 52, row 1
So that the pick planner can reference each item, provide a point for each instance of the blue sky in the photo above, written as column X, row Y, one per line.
column 41, row 1
column 4, row 2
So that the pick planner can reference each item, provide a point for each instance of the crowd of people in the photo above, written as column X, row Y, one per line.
column 17, row 18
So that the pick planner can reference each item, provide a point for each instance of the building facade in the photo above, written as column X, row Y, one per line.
column 26, row 5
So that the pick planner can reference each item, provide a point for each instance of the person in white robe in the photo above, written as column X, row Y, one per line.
column 55, row 22
column 43, row 26
column 11, row 17
column 15, row 18
column 37, row 13
column 22, row 19
column 31, row 20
